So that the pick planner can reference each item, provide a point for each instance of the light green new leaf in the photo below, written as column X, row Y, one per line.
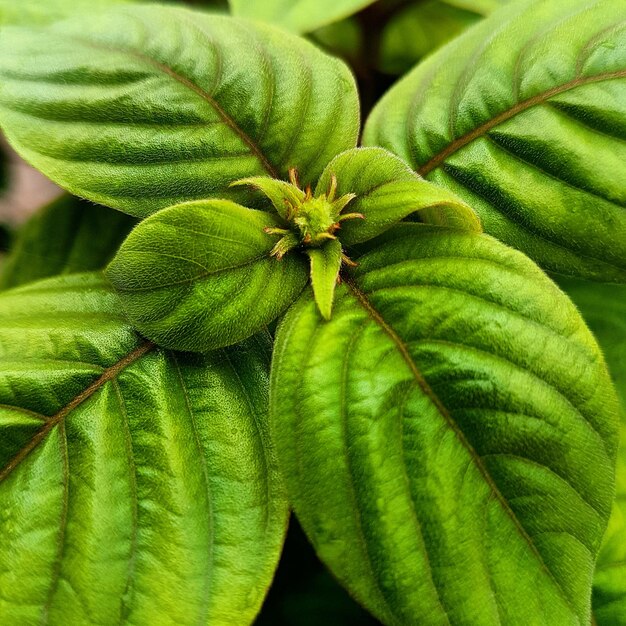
column 604, row 309
column 387, row 190
column 452, row 454
column 325, row 266
column 199, row 275
column 523, row 117
column 66, row 236
column 146, row 106
column 299, row 16
column 137, row 486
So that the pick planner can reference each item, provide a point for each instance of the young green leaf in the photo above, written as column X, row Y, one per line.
column 137, row 485
column 66, row 236
column 531, row 135
column 386, row 191
column 604, row 309
column 199, row 276
column 299, row 16
column 452, row 454
column 325, row 266
column 142, row 107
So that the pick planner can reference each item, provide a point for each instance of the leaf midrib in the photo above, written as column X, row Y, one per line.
column 518, row 108
column 373, row 313
column 108, row 375
column 186, row 82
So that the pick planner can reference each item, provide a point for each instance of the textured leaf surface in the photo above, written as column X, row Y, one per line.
column 199, row 276
column 123, row 110
column 67, row 236
column 448, row 438
column 604, row 309
column 387, row 190
column 30, row 12
column 138, row 485
column 523, row 117
column 300, row 16
column 325, row 266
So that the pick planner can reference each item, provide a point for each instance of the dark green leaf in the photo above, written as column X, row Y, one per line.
column 325, row 266
column 448, row 438
column 67, row 236
column 122, row 108
column 137, row 485
column 300, row 16
column 523, row 117
column 387, row 190
column 604, row 309
column 199, row 275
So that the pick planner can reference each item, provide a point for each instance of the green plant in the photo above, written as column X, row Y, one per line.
column 298, row 322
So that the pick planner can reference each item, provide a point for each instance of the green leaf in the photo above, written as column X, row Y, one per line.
column 66, row 236
column 31, row 12
column 531, row 135
column 199, row 275
column 325, row 266
column 387, row 190
column 137, row 485
column 299, row 16
column 121, row 109
column 452, row 454
column 280, row 193
column 604, row 309
column 418, row 29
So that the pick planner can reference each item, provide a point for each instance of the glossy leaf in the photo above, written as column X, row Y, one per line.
column 66, row 236
column 120, row 108
column 325, row 266
column 387, row 190
column 604, row 309
column 522, row 117
column 299, row 16
column 199, row 275
column 448, row 438
column 137, row 485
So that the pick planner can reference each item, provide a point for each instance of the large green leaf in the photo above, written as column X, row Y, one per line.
column 145, row 106
column 137, row 486
column 199, row 275
column 448, row 439
column 67, row 236
column 523, row 117
column 300, row 16
column 604, row 308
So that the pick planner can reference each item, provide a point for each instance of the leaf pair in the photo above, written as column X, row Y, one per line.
column 203, row 275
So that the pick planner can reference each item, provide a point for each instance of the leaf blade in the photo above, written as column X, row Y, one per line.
column 408, row 483
column 529, row 148
column 604, row 309
column 117, row 463
column 199, row 275
column 387, row 191
column 301, row 16
column 141, row 129
column 325, row 266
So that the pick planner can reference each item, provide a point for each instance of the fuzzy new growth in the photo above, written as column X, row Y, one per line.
column 316, row 219
column 309, row 223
